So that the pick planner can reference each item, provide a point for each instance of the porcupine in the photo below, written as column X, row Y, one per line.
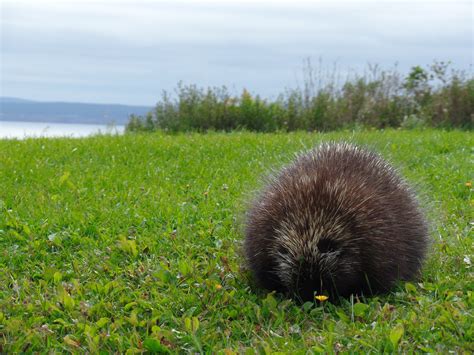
column 337, row 221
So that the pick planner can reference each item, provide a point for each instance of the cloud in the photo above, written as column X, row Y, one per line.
column 66, row 45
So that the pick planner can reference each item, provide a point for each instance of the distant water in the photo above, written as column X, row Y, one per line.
column 13, row 129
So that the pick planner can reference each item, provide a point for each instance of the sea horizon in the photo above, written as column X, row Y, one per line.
column 28, row 129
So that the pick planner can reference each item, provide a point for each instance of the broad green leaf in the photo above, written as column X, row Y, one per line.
column 57, row 277
column 102, row 321
column 396, row 334
column 410, row 288
column 188, row 324
column 195, row 324
column 69, row 340
column 360, row 309
column 342, row 316
column 307, row 306
column 154, row 346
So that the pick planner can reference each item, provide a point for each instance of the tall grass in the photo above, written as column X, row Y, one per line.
column 435, row 96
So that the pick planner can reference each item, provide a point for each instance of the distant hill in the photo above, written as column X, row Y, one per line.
column 13, row 99
column 16, row 109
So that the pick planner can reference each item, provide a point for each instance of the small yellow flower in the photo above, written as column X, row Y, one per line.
column 218, row 287
column 321, row 298
column 468, row 184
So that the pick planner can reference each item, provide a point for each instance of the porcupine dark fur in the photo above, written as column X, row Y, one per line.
column 339, row 220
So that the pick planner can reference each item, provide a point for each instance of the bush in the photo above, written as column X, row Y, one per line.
column 433, row 97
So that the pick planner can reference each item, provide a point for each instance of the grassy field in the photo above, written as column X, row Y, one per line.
column 131, row 243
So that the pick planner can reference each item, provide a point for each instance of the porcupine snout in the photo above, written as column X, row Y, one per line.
column 324, row 267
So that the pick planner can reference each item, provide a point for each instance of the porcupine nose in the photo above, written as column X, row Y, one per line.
column 308, row 283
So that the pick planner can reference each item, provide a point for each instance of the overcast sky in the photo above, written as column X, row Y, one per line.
column 129, row 51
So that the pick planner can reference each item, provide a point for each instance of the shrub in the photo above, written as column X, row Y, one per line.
column 432, row 96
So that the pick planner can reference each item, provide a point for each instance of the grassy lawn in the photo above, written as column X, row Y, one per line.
column 132, row 243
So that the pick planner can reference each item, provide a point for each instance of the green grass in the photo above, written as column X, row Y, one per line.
column 132, row 243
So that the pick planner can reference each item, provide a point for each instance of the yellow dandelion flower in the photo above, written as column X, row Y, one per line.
column 468, row 184
column 218, row 287
column 321, row 298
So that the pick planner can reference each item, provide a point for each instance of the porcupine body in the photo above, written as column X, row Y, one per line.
column 338, row 221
